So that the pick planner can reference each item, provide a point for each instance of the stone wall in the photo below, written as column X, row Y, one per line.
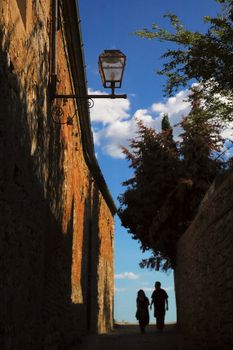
column 56, row 226
column 204, row 273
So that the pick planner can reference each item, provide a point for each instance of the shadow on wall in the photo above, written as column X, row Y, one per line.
column 36, row 256
column 107, row 302
column 95, row 268
column 90, row 261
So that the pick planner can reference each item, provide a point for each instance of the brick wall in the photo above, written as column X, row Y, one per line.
column 56, row 228
column 204, row 273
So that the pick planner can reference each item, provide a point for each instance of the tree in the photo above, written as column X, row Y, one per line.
column 200, row 143
column 205, row 57
column 155, row 166
column 169, row 183
column 170, row 179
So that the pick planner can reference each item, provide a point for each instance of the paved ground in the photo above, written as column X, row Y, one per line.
column 128, row 337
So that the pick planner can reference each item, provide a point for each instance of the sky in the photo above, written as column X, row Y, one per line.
column 110, row 24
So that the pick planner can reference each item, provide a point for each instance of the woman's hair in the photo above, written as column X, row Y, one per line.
column 141, row 293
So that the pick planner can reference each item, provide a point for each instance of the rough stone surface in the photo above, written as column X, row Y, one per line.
column 204, row 273
column 56, row 243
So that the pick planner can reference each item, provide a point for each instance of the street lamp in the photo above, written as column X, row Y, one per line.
column 111, row 68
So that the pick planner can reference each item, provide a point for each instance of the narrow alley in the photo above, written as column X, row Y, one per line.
column 126, row 337
column 79, row 213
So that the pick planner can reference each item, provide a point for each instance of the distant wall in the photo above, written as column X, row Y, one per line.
column 204, row 273
column 56, row 242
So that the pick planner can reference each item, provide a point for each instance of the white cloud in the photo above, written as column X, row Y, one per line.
column 173, row 105
column 227, row 133
column 113, row 125
column 108, row 111
column 126, row 276
column 145, row 116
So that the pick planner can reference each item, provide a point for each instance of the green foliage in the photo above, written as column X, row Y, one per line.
column 205, row 57
column 170, row 179
column 153, row 162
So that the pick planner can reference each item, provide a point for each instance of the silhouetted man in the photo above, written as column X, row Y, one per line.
column 159, row 298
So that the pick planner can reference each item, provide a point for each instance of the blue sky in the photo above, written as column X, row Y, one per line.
column 109, row 24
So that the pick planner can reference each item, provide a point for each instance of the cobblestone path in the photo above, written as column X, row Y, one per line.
column 127, row 337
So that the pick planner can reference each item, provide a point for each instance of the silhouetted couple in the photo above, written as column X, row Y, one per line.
column 159, row 298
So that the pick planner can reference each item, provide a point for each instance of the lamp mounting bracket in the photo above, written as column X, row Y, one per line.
column 88, row 97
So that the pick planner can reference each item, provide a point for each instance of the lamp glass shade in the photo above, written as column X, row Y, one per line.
column 111, row 68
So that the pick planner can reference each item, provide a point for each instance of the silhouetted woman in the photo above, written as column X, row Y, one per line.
column 142, row 313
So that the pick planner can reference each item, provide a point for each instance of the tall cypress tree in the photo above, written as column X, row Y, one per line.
column 155, row 166
column 169, row 182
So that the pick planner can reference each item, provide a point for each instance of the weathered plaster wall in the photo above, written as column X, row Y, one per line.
column 56, row 229
column 204, row 273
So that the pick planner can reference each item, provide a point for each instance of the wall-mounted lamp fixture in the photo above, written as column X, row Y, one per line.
column 111, row 68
